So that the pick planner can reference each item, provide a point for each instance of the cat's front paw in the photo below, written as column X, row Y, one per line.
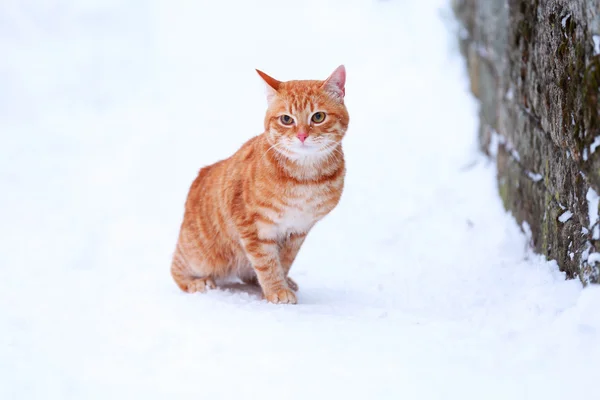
column 282, row 296
column 292, row 284
column 201, row 285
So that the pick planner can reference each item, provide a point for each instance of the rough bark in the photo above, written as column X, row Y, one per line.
column 535, row 67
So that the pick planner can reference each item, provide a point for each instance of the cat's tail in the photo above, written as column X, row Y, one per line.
column 181, row 273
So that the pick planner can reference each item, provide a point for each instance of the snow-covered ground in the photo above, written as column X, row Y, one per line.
column 418, row 286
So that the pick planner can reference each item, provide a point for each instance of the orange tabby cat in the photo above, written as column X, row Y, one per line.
column 248, row 215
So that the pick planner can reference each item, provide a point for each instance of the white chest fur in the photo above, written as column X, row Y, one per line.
column 296, row 220
column 302, row 208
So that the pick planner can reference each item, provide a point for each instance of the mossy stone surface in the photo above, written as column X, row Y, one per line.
column 533, row 66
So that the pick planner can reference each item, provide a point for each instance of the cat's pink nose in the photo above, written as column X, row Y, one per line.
column 302, row 136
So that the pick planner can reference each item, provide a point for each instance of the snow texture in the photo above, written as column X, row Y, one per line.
column 593, row 204
column 564, row 217
column 418, row 286
column 495, row 141
column 534, row 176
column 594, row 258
column 595, row 144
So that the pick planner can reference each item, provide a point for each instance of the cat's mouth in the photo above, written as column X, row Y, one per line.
column 304, row 148
column 308, row 149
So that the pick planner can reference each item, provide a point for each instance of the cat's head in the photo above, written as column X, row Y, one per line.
column 306, row 119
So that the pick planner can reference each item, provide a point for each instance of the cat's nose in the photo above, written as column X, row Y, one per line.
column 302, row 136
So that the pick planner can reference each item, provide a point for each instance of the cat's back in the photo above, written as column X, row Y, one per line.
column 217, row 177
column 205, row 181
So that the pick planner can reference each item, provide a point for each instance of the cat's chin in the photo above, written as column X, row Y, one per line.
column 305, row 149
column 306, row 152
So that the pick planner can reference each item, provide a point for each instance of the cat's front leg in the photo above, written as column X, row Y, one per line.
column 263, row 254
column 287, row 254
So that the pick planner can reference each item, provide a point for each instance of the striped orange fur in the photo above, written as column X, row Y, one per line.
column 249, row 214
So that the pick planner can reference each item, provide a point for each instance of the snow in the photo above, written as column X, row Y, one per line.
column 593, row 204
column 564, row 217
column 419, row 285
column 495, row 141
column 595, row 144
column 509, row 94
column 594, row 258
column 596, row 39
column 534, row 176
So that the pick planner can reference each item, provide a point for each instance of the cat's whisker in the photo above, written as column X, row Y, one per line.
column 334, row 152
column 335, row 156
column 331, row 146
column 275, row 147
column 270, row 148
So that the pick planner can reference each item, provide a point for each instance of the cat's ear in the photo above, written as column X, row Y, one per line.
column 272, row 85
column 336, row 83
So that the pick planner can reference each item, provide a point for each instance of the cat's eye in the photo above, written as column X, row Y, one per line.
column 318, row 117
column 286, row 119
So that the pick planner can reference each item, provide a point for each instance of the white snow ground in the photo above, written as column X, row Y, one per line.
column 419, row 286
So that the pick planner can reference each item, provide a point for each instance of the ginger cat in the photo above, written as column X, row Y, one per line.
column 248, row 215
